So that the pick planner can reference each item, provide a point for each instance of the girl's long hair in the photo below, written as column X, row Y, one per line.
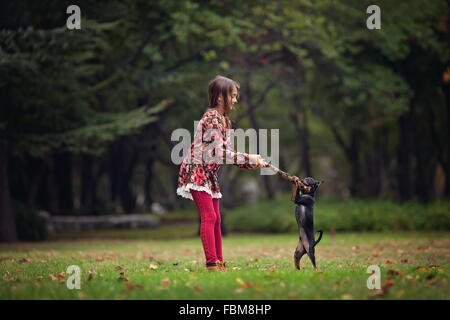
column 222, row 86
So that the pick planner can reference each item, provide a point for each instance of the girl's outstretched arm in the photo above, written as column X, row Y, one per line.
column 214, row 130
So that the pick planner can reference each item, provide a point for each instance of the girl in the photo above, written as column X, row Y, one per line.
column 198, row 180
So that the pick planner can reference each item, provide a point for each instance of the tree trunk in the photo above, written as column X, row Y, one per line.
column 446, row 90
column 89, row 197
column 52, row 186
column 377, row 163
column 148, row 182
column 35, row 182
column 63, row 168
column 404, row 183
column 421, row 189
column 114, row 172
column 300, row 120
column 255, row 126
column 8, row 231
column 353, row 156
column 128, row 199
column 442, row 148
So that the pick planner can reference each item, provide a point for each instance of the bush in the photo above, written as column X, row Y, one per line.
column 342, row 215
column 29, row 226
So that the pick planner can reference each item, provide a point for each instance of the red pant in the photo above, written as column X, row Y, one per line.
column 210, row 232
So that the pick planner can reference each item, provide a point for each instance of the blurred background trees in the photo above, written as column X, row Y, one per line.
column 86, row 115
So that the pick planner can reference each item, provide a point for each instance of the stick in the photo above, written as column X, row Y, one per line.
column 296, row 182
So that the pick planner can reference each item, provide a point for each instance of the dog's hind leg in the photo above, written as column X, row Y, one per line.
column 310, row 251
column 312, row 256
column 307, row 239
column 298, row 254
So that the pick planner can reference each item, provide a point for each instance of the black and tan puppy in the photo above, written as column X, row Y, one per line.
column 304, row 213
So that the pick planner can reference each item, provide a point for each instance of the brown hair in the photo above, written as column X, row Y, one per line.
column 222, row 86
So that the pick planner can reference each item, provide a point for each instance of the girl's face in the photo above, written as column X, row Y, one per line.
column 234, row 94
column 232, row 98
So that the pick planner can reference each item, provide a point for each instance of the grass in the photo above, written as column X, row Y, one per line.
column 167, row 263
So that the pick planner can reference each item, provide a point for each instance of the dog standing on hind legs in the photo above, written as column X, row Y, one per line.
column 304, row 214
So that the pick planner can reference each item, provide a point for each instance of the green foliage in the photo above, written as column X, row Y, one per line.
column 342, row 215
column 93, row 137
column 81, row 90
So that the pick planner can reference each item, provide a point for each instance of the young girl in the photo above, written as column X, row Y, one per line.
column 198, row 180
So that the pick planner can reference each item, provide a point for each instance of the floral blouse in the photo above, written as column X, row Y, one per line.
column 202, row 172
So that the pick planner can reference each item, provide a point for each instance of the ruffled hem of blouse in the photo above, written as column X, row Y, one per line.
column 185, row 193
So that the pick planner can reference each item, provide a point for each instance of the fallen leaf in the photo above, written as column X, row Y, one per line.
column 121, row 268
column 62, row 274
column 389, row 261
column 123, row 278
column 197, row 289
column 404, row 261
column 294, row 296
column 19, row 270
column 431, row 277
column 433, row 266
column 421, row 269
column 387, row 285
column 165, row 282
column 244, row 284
column 384, row 289
column 240, row 281
column 99, row 259
column 53, row 277
column 239, row 290
column 153, row 266
column 24, row 260
column 129, row 286
column 393, row 272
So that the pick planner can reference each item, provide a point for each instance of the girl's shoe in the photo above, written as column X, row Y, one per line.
column 212, row 266
column 222, row 265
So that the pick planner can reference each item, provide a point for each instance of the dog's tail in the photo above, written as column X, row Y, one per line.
column 320, row 237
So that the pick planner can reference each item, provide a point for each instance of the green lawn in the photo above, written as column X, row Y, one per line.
column 167, row 263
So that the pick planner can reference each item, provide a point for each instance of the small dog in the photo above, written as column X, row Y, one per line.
column 304, row 214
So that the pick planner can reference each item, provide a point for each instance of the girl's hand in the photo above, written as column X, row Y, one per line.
column 259, row 161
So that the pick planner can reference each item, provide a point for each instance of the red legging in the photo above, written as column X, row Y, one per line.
column 210, row 233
